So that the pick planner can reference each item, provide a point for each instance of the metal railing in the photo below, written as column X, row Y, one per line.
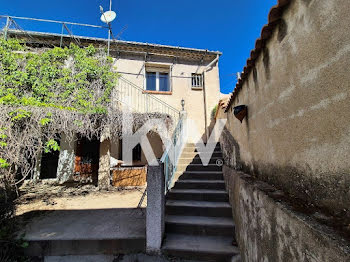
column 178, row 143
column 29, row 26
column 142, row 102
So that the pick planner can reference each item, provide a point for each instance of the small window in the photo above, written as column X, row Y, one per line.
column 197, row 81
column 157, row 81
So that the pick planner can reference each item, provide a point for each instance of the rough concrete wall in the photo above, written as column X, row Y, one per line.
column 133, row 69
column 104, row 175
column 65, row 167
column 129, row 176
column 269, row 230
column 155, row 225
column 297, row 133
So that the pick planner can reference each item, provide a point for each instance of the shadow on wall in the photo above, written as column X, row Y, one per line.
column 230, row 150
column 229, row 146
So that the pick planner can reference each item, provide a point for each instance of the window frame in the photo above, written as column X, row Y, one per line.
column 158, row 69
column 197, row 87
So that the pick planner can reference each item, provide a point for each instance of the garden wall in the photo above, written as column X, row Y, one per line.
column 292, row 203
column 268, row 229
column 297, row 132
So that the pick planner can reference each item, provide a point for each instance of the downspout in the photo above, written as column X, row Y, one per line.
column 205, row 97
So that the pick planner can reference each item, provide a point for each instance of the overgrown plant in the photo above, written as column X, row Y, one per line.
column 48, row 92
column 45, row 93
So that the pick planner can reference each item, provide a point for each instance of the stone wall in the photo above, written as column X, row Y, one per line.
column 292, row 201
column 297, row 132
column 270, row 230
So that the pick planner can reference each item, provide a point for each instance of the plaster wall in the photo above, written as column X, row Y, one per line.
column 154, row 140
column 133, row 69
column 297, row 132
column 65, row 167
column 272, row 231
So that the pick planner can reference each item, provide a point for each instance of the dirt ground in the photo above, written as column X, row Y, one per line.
column 46, row 195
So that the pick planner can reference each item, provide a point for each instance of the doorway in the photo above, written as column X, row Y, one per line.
column 87, row 160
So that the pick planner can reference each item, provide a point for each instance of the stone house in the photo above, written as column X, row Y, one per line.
column 155, row 78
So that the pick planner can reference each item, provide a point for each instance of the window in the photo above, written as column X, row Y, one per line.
column 157, row 81
column 151, row 81
column 164, row 82
column 197, row 81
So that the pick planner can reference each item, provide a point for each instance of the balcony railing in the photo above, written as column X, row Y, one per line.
column 142, row 102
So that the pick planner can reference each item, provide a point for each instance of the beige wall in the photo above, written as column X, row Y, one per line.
column 297, row 134
column 153, row 138
column 268, row 229
column 133, row 69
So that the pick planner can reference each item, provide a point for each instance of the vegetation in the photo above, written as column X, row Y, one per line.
column 43, row 94
column 59, row 77
column 213, row 111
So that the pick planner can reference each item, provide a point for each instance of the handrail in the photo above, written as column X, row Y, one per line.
column 51, row 21
column 143, row 102
column 135, row 96
column 153, row 97
column 177, row 142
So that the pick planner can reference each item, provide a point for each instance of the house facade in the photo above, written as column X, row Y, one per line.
column 173, row 75
column 155, row 79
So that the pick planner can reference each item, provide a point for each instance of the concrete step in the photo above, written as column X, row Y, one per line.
column 198, row 195
column 199, row 167
column 206, row 175
column 87, row 258
column 199, row 184
column 185, row 161
column 198, row 208
column 205, row 150
column 82, row 246
column 188, row 149
column 85, row 232
column 195, row 149
column 204, row 248
column 199, row 225
column 194, row 145
column 197, row 160
column 193, row 154
column 217, row 145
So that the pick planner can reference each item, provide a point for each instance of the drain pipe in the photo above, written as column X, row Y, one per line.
column 205, row 97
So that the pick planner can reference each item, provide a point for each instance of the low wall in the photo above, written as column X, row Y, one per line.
column 268, row 229
column 129, row 176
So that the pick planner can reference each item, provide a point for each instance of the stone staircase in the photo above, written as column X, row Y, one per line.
column 198, row 221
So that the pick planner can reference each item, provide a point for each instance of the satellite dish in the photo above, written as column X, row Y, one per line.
column 108, row 17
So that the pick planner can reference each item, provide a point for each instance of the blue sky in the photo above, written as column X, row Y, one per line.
column 230, row 26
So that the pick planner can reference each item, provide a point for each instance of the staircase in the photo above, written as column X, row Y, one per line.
column 198, row 221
